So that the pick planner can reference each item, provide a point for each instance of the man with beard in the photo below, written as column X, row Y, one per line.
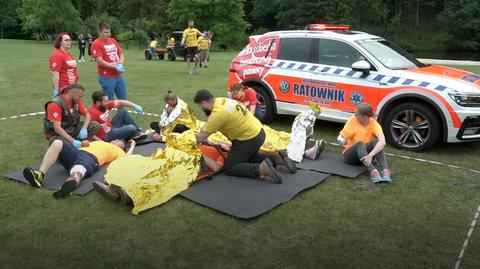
column 122, row 126
column 240, row 126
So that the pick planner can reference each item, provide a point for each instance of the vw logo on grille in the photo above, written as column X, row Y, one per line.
column 284, row 86
column 356, row 98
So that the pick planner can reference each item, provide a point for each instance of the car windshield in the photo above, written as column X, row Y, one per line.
column 392, row 56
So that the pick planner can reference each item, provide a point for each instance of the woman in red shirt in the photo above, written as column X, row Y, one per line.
column 248, row 97
column 63, row 65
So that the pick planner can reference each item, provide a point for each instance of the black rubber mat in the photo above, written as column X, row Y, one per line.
column 247, row 198
column 332, row 163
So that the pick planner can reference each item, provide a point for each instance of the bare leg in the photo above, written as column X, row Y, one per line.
column 189, row 64
column 51, row 156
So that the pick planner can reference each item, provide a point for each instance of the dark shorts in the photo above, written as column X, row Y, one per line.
column 191, row 52
column 71, row 156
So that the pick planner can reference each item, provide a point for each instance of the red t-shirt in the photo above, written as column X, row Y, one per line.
column 249, row 99
column 66, row 66
column 103, row 118
column 54, row 110
column 110, row 52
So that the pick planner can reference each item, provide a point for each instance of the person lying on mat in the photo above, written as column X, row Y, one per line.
column 122, row 126
column 240, row 126
column 80, row 163
column 364, row 142
column 62, row 117
column 174, row 107
column 213, row 161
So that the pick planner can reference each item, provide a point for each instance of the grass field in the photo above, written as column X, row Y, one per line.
column 418, row 221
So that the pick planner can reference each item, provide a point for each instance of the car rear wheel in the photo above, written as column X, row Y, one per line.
column 266, row 102
column 412, row 126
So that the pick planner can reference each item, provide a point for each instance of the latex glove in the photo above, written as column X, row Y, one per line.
column 55, row 92
column 120, row 68
column 342, row 141
column 77, row 144
column 83, row 133
column 138, row 109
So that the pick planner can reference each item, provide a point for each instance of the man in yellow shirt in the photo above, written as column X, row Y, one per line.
column 240, row 126
column 153, row 47
column 203, row 46
column 364, row 142
column 79, row 163
column 190, row 40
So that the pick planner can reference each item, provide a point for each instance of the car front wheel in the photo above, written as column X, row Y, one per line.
column 266, row 104
column 412, row 126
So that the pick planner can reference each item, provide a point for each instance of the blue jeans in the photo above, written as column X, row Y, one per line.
column 153, row 52
column 258, row 112
column 123, row 127
column 71, row 156
column 114, row 86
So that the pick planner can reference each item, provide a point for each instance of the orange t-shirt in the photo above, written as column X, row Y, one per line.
column 354, row 132
column 212, row 153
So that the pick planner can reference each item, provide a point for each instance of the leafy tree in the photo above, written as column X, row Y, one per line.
column 49, row 17
column 460, row 19
column 225, row 18
column 125, row 38
column 86, row 7
column 91, row 23
column 8, row 14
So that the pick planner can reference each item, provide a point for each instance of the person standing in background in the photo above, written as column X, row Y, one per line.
column 109, row 56
column 81, row 47
column 90, row 41
column 63, row 65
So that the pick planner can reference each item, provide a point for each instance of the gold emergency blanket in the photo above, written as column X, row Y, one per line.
column 151, row 181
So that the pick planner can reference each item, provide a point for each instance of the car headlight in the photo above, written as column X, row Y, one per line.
column 466, row 99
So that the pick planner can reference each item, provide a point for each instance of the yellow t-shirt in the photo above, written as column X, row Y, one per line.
column 171, row 42
column 153, row 44
column 233, row 120
column 203, row 43
column 354, row 132
column 104, row 152
column 190, row 36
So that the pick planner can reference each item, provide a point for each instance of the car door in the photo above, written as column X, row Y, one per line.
column 335, row 85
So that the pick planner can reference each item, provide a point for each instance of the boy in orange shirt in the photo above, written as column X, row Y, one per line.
column 364, row 141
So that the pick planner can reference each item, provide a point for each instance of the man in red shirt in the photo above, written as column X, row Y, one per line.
column 109, row 56
column 62, row 64
column 248, row 97
column 122, row 126
column 62, row 117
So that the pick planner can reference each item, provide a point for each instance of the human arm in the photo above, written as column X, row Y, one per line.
column 57, row 126
column 125, row 103
column 132, row 147
column 367, row 160
column 105, row 64
column 172, row 114
column 201, row 136
column 252, row 108
column 55, row 80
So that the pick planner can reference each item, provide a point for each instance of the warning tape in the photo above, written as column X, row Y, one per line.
column 467, row 238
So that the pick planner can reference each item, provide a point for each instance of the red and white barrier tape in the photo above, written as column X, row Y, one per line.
column 467, row 238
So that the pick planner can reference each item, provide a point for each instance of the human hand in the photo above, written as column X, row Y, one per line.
column 342, row 141
column 225, row 146
column 120, row 68
column 367, row 160
column 77, row 144
column 138, row 109
column 83, row 133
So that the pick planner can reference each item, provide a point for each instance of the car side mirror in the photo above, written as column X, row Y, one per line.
column 362, row 66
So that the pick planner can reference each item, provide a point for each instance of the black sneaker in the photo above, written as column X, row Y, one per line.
column 154, row 125
column 124, row 198
column 281, row 159
column 35, row 178
column 268, row 172
column 68, row 187
column 139, row 136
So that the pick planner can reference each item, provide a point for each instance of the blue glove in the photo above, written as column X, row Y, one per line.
column 55, row 92
column 120, row 68
column 83, row 133
column 77, row 144
column 138, row 109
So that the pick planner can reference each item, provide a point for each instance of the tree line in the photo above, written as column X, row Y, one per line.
column 451, row 24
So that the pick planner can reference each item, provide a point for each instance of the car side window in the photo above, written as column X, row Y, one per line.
column 297, row 49
column 337, row 53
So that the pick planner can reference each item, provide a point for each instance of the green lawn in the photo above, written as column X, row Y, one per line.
column 419, row 221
